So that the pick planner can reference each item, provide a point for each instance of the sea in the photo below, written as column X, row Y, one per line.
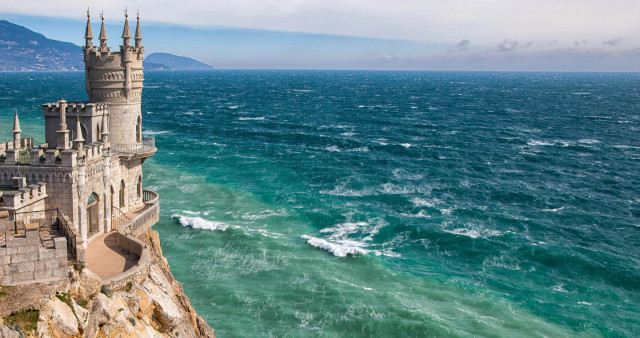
column 300, row 203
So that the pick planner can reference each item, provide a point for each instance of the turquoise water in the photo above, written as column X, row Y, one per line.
column 336, row 203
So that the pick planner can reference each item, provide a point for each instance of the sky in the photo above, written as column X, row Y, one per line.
column 546, row 35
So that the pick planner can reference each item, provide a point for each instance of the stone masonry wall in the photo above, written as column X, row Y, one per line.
column 23, row 260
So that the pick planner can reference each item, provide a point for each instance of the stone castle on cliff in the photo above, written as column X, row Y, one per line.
column 86, row 179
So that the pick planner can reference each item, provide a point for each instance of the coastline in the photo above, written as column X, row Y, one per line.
column 149, row 304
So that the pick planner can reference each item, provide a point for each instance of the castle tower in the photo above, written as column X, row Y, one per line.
column 116, row 78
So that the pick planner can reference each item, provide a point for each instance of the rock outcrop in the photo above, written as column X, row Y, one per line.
column 151, row 304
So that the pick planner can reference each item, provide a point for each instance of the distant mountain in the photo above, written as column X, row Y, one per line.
column 22, row 49
column 170, row 61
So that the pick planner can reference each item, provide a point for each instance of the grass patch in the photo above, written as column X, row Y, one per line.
column 2, row 293
column 26, row 320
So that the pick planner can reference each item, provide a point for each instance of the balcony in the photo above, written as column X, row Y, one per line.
column 137, row 222
column 142, row 149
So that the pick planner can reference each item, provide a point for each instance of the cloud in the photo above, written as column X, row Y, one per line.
column 463, row 45
column 612, row 42
column 512, row 45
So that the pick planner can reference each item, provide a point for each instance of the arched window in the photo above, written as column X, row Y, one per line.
column 121, row 195
column 92, row 213
column 139, row 130
column 139, row 186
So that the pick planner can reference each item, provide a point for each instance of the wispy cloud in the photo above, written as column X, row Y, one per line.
column 463, row 45
column 612, row 42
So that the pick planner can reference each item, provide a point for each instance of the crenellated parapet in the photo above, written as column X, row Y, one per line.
column 20, row 198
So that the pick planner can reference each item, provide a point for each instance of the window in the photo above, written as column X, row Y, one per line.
column 121, row 195
column 139, row 130
column 92, row 213
column 139, row 186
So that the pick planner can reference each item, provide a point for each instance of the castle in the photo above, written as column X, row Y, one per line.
column 86, row 179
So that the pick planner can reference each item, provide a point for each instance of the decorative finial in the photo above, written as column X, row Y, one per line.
column 102, row 15
column 88, row 12
column 125, row 12
column 138, row 15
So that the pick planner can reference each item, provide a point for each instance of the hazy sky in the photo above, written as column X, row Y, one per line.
column 401, row 34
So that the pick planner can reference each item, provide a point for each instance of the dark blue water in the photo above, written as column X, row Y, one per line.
column 336, row 203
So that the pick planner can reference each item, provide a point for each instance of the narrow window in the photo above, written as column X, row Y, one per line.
column 121, row 194
column 92, row 213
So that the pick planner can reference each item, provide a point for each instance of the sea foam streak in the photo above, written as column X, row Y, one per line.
column 341, row 248
column 200, row 223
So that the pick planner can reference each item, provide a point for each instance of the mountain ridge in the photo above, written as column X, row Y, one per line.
column 22, row 49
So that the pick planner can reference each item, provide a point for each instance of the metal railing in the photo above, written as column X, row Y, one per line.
column 45, row 219
column 118, row 217
column 66, row 231
column 49, row 219
column 148, row 145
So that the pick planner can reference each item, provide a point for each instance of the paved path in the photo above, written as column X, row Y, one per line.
column 106, row 259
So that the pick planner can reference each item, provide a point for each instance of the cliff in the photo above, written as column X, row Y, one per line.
column 150, row 304
column 164, row 61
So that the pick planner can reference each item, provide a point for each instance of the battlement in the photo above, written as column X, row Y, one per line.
column 76, row 108
column 23, row 197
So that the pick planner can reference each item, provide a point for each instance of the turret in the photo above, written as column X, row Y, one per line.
column 16, row 132
column 126, row 34
column 63, row 133
column 105, row 129
column 88, row 34
column 103, row 35
column 138, row 37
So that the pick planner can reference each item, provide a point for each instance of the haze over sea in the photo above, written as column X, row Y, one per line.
column 339, row 203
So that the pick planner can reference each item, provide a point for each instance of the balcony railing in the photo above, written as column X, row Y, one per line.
column 145, row 148
column 142, row 221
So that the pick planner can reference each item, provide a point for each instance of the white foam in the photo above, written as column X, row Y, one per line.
column 264, row 214
column 332, row 149
column 233, row 107
column 343, row 191
column 200, row 223
column 539, row 143
column 588, row 141
column 554, row 210
column 473, row 233
column 344, row 229
column 153, row 132
column 251, row 118
column 342, row 248
column 406, row 145
column 421, row 202
column 405, row 175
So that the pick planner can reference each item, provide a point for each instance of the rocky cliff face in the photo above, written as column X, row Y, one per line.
column 152, row 304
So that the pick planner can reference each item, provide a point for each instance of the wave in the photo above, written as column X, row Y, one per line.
column 405, row 175
column 196, row 222
column 341, row 248
column 264, row 214
column 251, row 118
column 472, row 233
column 153, row 132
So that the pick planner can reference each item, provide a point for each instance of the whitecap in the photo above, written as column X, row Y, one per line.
column 421, row 202
column 332, row 149
column 539, row 143
column 234, row 107
column 251, row 118
column 473, row 233
column 342, row 248
column 405, row 175
column 153, row 132
column 264, row 214
column 406, row 145
column 554, row 210
column 200, row 223
column 588, row 141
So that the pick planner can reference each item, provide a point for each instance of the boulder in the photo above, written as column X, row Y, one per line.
column 81, row 313
column 56, row 319
column 84, row 285
column 6, row 332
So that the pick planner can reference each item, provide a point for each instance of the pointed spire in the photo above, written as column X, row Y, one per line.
column 103, row 33
column 78, row 130
column 126, row 33
column 138, row 37
column 88, row 34
column 16, row 123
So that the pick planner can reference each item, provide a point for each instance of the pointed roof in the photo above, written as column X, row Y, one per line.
column 126, row 34
column 16, row 123
column 88, row 33
column 78, row 130
column 138, row 31
column 103, row 31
